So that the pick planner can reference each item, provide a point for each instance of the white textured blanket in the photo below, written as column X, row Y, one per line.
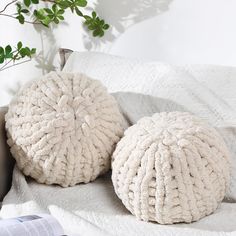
column 94, row 209
column 207, row 91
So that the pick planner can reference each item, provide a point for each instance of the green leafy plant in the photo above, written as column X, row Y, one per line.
column 29, row 12
column 12, row 55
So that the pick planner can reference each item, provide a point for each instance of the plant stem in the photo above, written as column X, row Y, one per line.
column 7, row 67
column 2, row 68
column 29, row 22
column 10, row 3
column 51, row 1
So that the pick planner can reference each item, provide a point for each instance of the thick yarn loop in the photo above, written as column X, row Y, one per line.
column 170, row 168
column 62, row 129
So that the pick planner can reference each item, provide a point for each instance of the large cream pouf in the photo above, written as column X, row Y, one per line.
column 170, row 168
column 62, row 129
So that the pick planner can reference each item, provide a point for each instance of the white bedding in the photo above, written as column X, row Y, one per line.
column 94, row 209
column 208, row 91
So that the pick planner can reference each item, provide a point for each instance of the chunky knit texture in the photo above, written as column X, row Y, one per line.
column 170, row 168
column 62, row 129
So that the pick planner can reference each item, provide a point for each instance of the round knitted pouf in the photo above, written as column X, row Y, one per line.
column 62, row 129
column 170, row 168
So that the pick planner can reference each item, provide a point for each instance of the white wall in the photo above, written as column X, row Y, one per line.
column 191, row 31
column 173, row 31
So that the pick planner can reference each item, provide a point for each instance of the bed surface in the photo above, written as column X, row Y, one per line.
column 94, row 209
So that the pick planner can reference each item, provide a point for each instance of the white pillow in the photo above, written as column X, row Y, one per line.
column 205, row 90
column 171, row 168
column 62, row 129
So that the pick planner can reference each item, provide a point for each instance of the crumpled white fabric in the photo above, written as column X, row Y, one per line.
column 94, row 209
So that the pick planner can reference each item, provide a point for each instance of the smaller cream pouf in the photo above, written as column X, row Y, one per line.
column 62, row 129
column 170, row 168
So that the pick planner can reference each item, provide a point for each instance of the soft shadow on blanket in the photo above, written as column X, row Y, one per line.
column 135, row 106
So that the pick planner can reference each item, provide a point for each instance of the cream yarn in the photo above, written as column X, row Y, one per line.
column 62, row 129
column 170, row 168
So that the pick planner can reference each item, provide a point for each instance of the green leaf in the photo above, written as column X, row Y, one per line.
column 60, row 12
column 27, row 51
column 1, row 50
column 47, row 10
column 78, row 12
column 25, row 11
column 46, row 21
column 96, row 32
column 8, row 49
column 106, row 26
column 51, row 17
column 91, row 27
column 27, row 2
column 61, row 17
column 63, row 4
column 18, row 7
column 8, row 52
column 101, row 33
column 72, row 9
column 2, row 56
column 22, row 52
column 54, row 7
column 21, row 19
column 94, row 14
column 35, row 1
column 56, row 21
column 87, row 17
column 19, row 45
column 33, row 51
column 81, row 3
column 39, row 14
